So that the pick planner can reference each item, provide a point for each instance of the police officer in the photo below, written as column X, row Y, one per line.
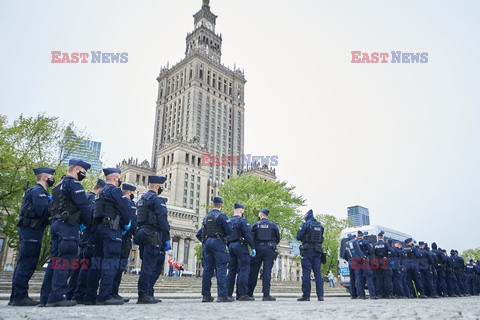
column 266, row 236
column 31, row 226
column 216, row 228
column 384, row 280
column 153, row 238
column 452, row 286
column 348, row 255
column 311, row 235
column 111, row 216
column 426, row 265
column 440, row 265
column 402, row 269
column 395, row 263
column 87, row 246
column 70, row 209
column 239, row 241
column 364, row 272
column 411, row 256
column 459, row 270
column 470, row 275
column 127, row 236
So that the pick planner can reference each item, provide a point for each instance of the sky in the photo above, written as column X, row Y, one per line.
column 399, row 139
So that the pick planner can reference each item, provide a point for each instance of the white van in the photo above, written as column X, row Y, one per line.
column 370, row 232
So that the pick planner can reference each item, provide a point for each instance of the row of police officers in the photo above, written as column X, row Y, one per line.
column 226, row 252
column 399, row 269
column 91, row 238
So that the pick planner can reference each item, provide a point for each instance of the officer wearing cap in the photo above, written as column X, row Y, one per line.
column 470, row 277
column 411, row 257
column 87, row 247
column 452, row 285
column 239, row 241
column 384, row 286
column 459, row 270
column 70, row 209
column 31, row 225
column 216, row 228
column 426, row 265
column 348, row 255
column 311, row 235
column 403, row 269
column 439, row 275
column 364, row 272
column 395, row 263
column 153, row 237
column 127, row 237
column 266, row 236
column 111, row 216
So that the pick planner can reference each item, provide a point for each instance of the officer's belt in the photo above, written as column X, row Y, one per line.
column 147, row 226
column 216, row 236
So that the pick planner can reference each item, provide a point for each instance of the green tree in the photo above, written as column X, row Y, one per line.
column 333, row 227
column 256, row 193
column 471, row 254
column 27, row 143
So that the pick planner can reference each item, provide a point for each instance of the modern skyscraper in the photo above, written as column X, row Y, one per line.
column 359, row 215
column 87, row 150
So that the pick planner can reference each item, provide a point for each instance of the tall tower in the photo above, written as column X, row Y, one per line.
column 199, row 111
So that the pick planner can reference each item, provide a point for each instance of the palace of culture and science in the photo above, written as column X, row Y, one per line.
column 200, row 110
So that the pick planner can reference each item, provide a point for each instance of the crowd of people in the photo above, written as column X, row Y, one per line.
column 400, row 269
column 92, row 235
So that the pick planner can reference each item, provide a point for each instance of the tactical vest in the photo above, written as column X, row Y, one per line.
column 470, row 268
column 26, row 210
column 61, row 205
column 354, row 249
column 211, row 227
column 381, row 249
column 314, row 233
column 236, row 231
column 145, row 215
column 408, row 252
column 264, row 232
column 103, row 207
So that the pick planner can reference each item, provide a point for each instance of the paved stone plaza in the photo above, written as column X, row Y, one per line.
column 283, row 308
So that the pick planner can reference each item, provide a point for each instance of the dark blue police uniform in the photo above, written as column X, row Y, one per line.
column 239, row 241
column 426, row 265
column 266, row 236
column 411, row 257
column 440, row 265
column 216, row 227
column 347, row 255
column 87, row 244
column 384, row 286
column 112, row 214
column 470, row 278
column 70, row 209
column 364, row 272
column 311, row 235
column 152, row 236
column 126, row 243
column 34, row 214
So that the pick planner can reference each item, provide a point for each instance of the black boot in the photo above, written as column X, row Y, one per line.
column 225, row 299
column 245, row 298
column 25, row 302
column 111, row 302
column 117, row 296
column 145, row 299
column 268, row 298
column 303, row 299
column 208, row 299
column 62, row 303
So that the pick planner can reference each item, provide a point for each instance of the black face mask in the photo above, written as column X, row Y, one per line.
column 132, row 196
column 50, row 182
column 119, row 183
column 81, row 175
column 160, row 190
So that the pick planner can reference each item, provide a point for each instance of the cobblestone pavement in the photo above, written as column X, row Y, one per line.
column 283, row 308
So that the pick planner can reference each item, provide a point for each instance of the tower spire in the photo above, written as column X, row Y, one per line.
column 206, row 3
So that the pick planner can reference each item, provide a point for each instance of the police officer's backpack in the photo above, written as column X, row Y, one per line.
column 264, row 232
